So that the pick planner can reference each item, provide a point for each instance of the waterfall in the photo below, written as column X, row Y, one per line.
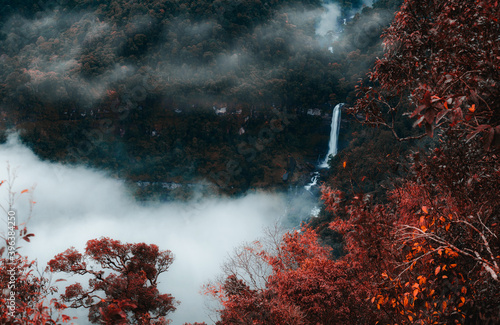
column 334, row 135
column 314, row 181
column 312, row 187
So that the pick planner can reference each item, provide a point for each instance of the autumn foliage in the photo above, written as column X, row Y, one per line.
column 430, row 252
column 429, row 255
column 305, row 286
column 26, row 292
column 122, row 288
column 443, row 55
column 123, row 285
column 33, row 302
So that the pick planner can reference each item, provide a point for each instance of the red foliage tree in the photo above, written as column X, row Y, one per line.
column 442, row 222
column 24, row 290
column 445, row 55
column 123, row 284
column 25, row 293
column 432, row 253
column 305, row 286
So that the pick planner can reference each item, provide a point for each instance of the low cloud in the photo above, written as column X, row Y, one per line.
column 76, row 204
column 329, row 19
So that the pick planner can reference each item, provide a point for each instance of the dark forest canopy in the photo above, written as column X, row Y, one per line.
column 100, row 82
column 76, row 52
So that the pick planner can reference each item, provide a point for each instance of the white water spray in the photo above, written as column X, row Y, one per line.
column 314, row 181
column 334, row 135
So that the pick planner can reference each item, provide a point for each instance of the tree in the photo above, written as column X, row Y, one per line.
column 24, row 290
column 432, row 252
column 444, row 54
column 444, row 217
column 123, row 284
column 450, row 236
column 304, row 286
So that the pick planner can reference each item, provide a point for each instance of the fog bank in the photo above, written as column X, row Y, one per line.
column 76, row 204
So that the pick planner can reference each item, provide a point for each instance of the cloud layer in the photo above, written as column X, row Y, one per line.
column 75, row 204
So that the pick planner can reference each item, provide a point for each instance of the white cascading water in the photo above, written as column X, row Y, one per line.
column 332, row 150
column 314, row 181
column 334, row 135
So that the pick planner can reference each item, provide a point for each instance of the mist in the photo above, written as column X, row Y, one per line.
column 75, row 204
column 77, row 56
column 329, row 19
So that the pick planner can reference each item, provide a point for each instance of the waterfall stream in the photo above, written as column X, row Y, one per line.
column 332, row 151
column 334, row 135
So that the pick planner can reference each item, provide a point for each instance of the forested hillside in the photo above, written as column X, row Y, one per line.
column 136, row 86
column 428, row 252
column 236, row 92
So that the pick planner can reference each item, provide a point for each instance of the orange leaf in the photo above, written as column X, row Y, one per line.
column 345, row 163
column 438, row 269
column 24, row 191
column 472, row 109
column 424, row 208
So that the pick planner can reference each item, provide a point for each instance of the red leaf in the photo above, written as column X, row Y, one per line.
column 27, row 237
column 441, row 114
column 427, row 98
column 429, row 129
column 417, row 122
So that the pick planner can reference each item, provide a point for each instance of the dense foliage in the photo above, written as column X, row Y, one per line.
column 26, row 293
column 445, row 56
column 130, row 289
column 100, row 82
column 429, row 253
column 420, row 232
